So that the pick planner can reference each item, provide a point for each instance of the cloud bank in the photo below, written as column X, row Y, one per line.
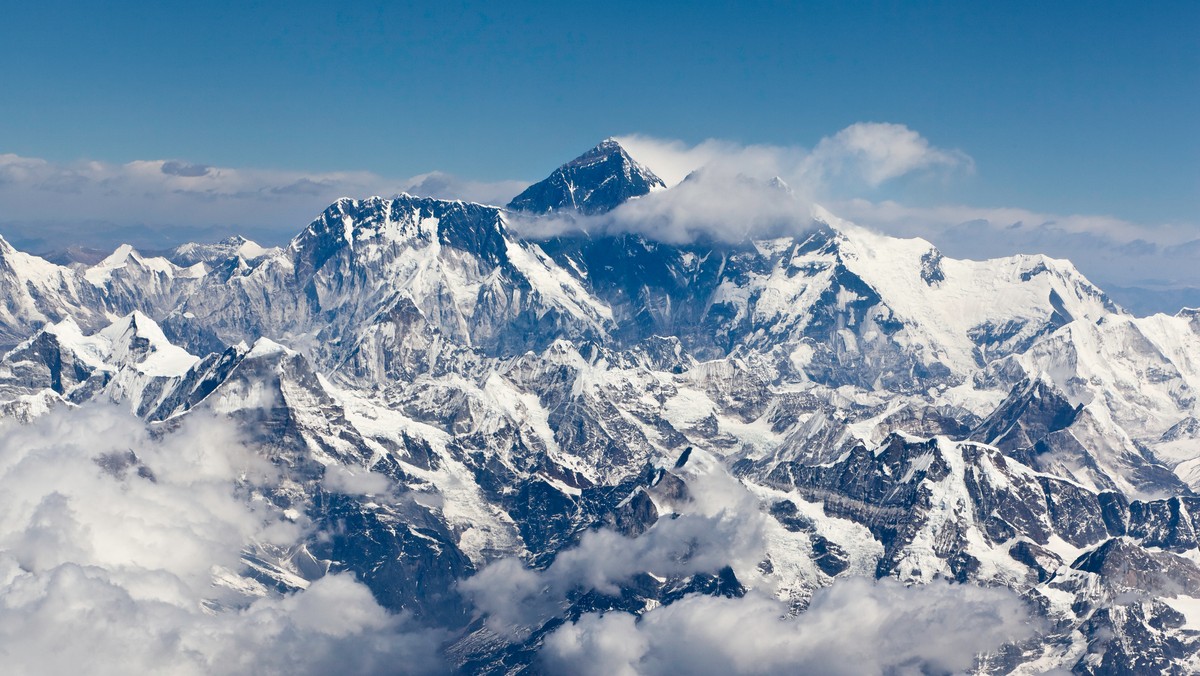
column 119, row 554
column 855, row 627
column 44, row 205
column 726, row 192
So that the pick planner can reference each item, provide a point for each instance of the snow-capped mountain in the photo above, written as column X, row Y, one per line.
column 36, row 292
column 467, row 420
column 356, row 269
column 237, row 246
column 597, row 181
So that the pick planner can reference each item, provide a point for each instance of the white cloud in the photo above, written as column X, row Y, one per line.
column 869, row 153
column 856, row 626
column 1146, row 266
column 876, row 152
column 78, row 619
column 673, row 160
column 727, row 192
column 110, row 542
column 355, row 481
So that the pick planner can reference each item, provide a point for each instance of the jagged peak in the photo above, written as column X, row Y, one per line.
column 597, row 181
column 403, row 219
column 123, row 256
column 119, row 255
column 65, row 331
column 265, row 347
column 134, row 324
column 66, row 325
column 605, row 149
column 136, row 340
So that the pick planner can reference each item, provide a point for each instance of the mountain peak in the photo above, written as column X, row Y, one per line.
column 596, row 182
column 134, row 324
column 602, row 151
column 376, row 226
column 137, row 340
column 235, row 246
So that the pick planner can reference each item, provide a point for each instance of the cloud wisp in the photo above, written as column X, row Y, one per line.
column 865, row 153
column 877, row 152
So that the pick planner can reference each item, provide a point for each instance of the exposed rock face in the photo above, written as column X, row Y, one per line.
column 597, row 181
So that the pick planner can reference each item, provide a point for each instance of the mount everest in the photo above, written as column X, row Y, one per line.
column 553, row 451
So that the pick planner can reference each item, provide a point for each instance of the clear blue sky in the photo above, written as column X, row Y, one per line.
column 1065, row 107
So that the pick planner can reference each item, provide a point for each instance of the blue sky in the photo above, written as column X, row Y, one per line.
column 1062, row 108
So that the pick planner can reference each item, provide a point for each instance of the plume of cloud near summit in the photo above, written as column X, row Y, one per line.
column 865, row 153
column 673, row 160
column 715, row 202
column 848, row 171
column 728, row 192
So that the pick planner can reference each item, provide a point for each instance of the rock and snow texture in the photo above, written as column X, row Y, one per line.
column 533, row 451
column 597, row 181
column 192, row 253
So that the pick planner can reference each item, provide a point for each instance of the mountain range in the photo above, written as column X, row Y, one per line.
column 760, row 421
